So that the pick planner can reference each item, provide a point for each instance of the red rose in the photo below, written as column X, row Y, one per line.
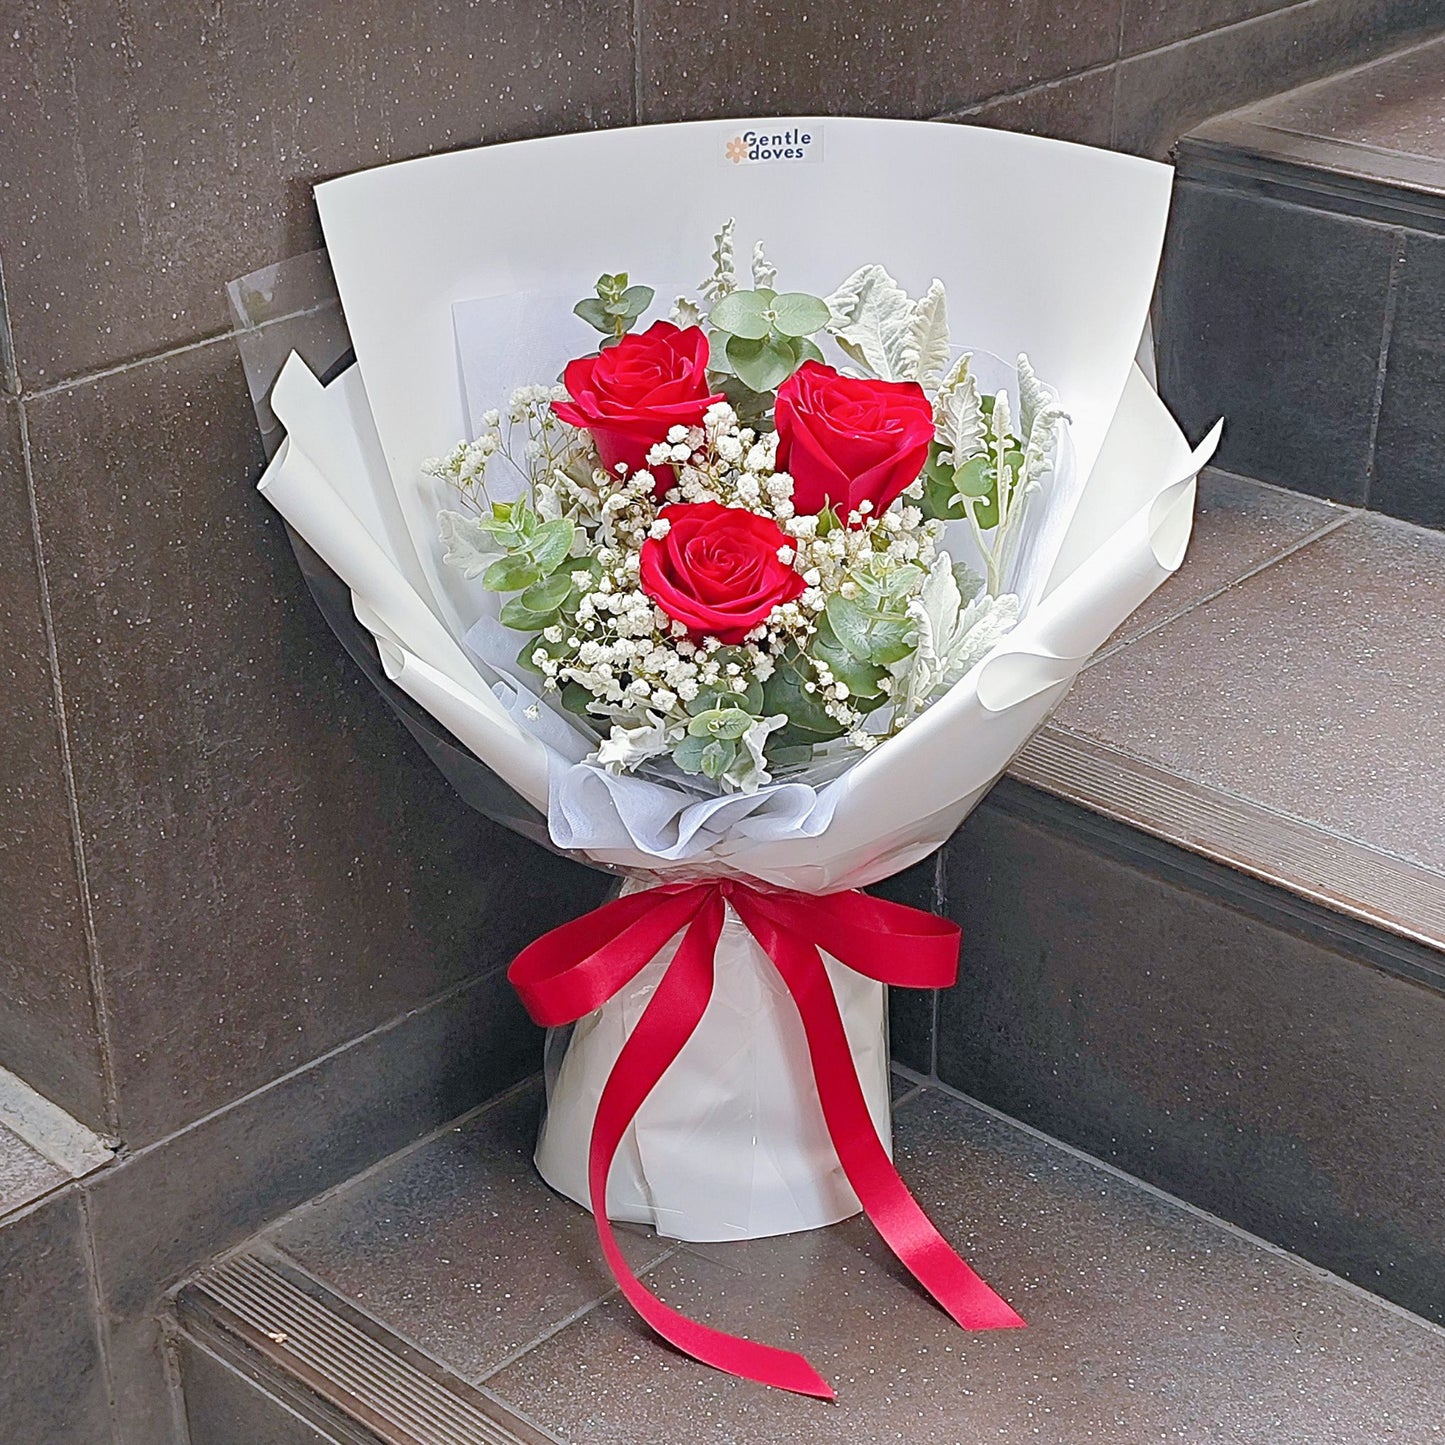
column 846, row 441
column 717, row 570
column 629, row 395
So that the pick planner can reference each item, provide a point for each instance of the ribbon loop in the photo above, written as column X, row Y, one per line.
column 576, row 968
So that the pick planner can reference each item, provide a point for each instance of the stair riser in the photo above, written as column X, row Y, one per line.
column 1304, row 308
column 1266, row 1061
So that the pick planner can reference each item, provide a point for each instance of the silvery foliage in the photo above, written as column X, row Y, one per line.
column 888, row 335
column 957, row 624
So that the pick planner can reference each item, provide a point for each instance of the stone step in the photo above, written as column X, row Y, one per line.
column 448, row 1297
column 1204, row 941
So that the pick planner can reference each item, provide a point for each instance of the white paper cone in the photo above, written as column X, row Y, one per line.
column 731, row 1144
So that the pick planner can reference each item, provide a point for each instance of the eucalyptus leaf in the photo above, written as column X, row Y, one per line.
column 594, row 313
column 511, row 574
column 549, row 594
column 551, row 543
column 636, row 300
column 784, row 693
column 717, row 757
column 861, row 678
column 743, row 313
column 728, row 723
column 517, row 615
column 760, row 365
column 575, row 698
column 975, row 478
column 795, row 313
column 805, row 350
column 688, row 753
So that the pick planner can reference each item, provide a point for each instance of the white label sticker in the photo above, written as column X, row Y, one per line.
column 774, row 147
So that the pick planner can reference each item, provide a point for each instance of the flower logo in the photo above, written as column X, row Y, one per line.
column 737, row 150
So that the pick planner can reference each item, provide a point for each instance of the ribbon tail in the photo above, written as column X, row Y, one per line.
column 886, row 1200
column 669, row 1020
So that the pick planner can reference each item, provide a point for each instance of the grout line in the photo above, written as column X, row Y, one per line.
column 1323, row 1275
column 317, row 1201
column 99, row 1314
column 1309, row 539
column 1387, row 331
column 637, row 76
column 71, row 383
column 975, row 107
column 180, row 1421
column 9, row 367
column 309, row 1065
column 95, row 968
column 578, row 1314
column 1114, row 104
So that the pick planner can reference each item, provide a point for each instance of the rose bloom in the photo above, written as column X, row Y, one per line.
column 629, row 395
column 846, row 440
column 717, row 569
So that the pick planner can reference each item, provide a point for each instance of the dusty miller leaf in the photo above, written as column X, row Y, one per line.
column 685, row 313
column 952, row 635
column 871, row 316
column 765, row 274
column 470, row 548
column 926, row 349
column 958, row 413
column 1034, row 396
column 724, row 276
column 1039, row 418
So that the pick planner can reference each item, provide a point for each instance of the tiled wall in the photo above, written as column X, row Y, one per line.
column 241, row 919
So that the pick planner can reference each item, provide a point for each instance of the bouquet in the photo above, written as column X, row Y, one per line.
column 749, row 603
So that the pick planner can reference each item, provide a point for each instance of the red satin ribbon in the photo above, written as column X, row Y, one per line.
column 575, row 969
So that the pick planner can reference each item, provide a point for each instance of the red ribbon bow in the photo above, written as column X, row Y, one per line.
column 575, row 969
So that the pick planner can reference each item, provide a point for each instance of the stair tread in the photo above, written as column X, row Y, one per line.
column 1383, row 122
column 1277, row 705
column 25, row 1173
column 1148, row 1320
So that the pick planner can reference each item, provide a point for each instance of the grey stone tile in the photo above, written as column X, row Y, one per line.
column 1273, row 316
column 1146, row 1322
column 1077, row 108
column 458, row 1245
column 1409, row 479
column 48, row 1030
column 53, row 1386
column 1264, row 1076
column 913, row 58
column 224, row 1407
column 1164, row 92
column 24, row 1173
column 274, row 867
column 1239, row 525
column 1313, row 689
column 168, row 1207
column 168, row 151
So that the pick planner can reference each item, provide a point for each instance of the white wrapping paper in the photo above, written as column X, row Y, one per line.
column 1044, row 247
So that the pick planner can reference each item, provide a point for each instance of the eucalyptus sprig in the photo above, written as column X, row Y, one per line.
column 615, row 307
column 762, row 336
